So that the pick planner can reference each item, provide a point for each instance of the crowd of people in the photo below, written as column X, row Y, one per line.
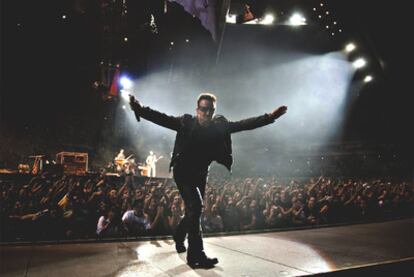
column 51, row 207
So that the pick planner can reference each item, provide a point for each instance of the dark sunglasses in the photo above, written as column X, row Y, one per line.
column 206, row 109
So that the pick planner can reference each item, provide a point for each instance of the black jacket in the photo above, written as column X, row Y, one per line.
column 184, row 125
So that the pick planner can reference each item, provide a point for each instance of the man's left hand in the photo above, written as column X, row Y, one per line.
column 278, row 112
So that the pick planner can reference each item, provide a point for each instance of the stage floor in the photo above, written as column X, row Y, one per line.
column 289, row 253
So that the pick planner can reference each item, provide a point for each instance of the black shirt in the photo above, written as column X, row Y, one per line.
column 200, row 152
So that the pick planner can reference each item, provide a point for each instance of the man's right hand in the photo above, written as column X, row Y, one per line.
column 135, row 106
column 134, row 103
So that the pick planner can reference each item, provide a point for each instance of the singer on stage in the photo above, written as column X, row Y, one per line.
column 200, row 139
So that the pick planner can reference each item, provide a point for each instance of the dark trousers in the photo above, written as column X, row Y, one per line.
column 191, row 184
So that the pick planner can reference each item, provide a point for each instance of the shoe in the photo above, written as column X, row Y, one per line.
column 202, row 262
column 179, row 245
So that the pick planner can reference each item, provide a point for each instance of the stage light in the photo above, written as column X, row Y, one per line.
column 358, row 63
column 231, row 18
column 64, row 16
column 125, row 82
column 172, row 43
column 125, row 39
column 368, row 79
column 253, row 22
column 187, row 40
column 350, row 47
column 125, row 94
column 297, row 19
column 268, row 19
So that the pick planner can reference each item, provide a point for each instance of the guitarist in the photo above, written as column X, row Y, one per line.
column 151, row 162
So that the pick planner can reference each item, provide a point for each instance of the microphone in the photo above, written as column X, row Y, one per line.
column 134, row 104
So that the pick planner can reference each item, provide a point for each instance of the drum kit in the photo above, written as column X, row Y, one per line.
column 129, row 166
column 143, row 169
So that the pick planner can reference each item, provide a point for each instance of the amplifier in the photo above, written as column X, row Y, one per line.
column 73, row 162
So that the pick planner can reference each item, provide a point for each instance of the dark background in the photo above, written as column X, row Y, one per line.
column 48, row 66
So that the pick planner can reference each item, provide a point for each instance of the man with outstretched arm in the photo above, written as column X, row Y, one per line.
column 200, row 139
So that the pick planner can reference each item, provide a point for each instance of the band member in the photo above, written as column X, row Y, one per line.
column 120, row 156
column 200, row 140
column 151, row 162
column 119, row 160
